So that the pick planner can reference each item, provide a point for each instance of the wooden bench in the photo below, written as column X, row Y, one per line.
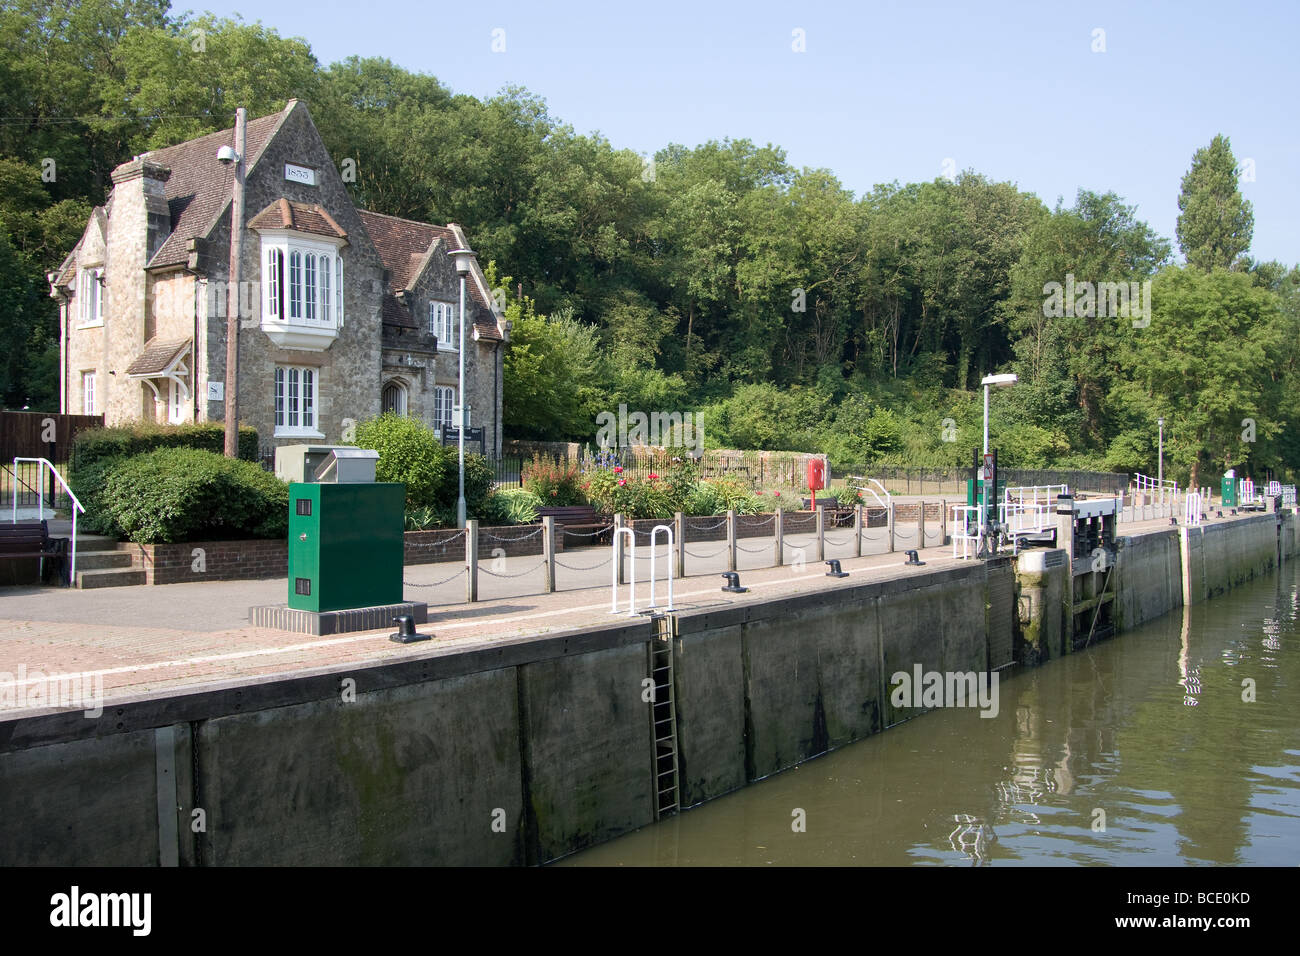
column 25, row 540
column 578, row 519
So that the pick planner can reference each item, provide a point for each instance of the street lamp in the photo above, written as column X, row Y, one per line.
column 1002, row 381
column 234, row 156
column 464, row 263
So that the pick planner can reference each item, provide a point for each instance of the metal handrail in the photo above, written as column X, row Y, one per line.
column 866, row 486
column 40, row 504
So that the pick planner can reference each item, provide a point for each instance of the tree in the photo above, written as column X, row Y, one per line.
column 1214, row 221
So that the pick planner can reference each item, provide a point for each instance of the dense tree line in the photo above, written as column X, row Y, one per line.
column 797, row 314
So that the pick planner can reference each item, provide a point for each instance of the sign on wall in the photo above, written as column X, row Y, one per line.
column 299, row 174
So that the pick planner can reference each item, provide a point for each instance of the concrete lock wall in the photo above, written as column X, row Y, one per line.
column 528, row 749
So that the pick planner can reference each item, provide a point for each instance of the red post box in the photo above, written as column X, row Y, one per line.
column 816, row 478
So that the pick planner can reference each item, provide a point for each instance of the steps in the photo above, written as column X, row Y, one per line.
column 110, row 577
column 100, row 565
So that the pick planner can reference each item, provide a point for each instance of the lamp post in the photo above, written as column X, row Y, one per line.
column 1002, row 381
column 464, row 263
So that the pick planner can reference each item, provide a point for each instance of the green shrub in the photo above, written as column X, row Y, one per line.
column 478, row 484
column 558, row 484
column 409, row 453
column 512, row 506
column 97, row 451
column 183, row 494
column 136, row 438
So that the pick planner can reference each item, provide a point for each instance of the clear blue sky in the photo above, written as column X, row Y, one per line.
column 884, row 91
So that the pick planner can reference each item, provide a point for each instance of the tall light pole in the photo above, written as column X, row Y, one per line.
column 1160, row 460
column 464, row 263
column 226, row 156
column 1002, row 381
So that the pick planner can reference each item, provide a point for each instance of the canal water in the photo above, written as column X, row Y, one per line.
column 1176, row 743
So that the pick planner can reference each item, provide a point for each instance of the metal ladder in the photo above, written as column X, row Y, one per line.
column 663, row 716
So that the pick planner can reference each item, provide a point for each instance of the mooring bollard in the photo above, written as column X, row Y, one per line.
column 471, row 560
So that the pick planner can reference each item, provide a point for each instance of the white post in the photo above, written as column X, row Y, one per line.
column 617, row 545
column 654, row 533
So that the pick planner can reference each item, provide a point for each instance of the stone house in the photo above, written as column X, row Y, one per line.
column 344, row 313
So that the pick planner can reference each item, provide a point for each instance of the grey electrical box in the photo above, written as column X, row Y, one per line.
column 310, row 462
column 348, row 466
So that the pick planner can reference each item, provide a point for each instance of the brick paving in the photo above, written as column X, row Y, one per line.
column 168, row 638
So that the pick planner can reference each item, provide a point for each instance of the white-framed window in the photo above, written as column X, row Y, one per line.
column 88, row 397
column 302, row 291
column 90, row 293
column 297, row 397
column 394, row 398
column 444, row 323
column 444, row 397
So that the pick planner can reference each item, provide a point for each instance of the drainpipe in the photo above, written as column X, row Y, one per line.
column 496, row 408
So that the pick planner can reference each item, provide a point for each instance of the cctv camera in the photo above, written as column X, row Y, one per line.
column 227, row 155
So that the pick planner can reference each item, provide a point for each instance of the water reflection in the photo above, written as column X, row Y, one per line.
column 1140, row 750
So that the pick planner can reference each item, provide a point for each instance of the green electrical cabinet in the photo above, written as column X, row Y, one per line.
column 345, row 545
column 1228, row 490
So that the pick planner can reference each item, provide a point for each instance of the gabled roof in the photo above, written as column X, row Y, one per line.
column 158, row 357
column 298, row 216
column 405, row 246
column 198, row 190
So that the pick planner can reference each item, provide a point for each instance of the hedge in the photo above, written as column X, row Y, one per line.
column 96, row 452
column 184, row 494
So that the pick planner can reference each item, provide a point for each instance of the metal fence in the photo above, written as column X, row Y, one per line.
column 920, row 481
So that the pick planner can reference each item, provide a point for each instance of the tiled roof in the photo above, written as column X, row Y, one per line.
column 404, row 244
column 157, row 356
column 199, row 186
column 299, row 216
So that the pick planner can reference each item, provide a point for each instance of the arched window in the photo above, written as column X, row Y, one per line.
column 394, row 398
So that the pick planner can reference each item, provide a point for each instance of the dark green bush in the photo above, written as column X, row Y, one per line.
column 184, row 494
column 96, row 451
column 410, row 453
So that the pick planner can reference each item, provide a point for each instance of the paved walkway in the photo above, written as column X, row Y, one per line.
column 147, row 640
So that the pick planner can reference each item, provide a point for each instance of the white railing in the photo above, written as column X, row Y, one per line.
column 615, row 546
column 1192, row 509
column 42, row 465
column 966, row 529
column 865, row 484
column 1034, row 494
column 1288, row 496
column 654, row 533
column 1274, row 489
column 1246, row 493
column 1157, row 495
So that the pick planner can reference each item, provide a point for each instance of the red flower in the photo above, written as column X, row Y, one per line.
column 622, row 481
column 554, row 492
column 653, row 476
column 776, row 494
column 618, row 470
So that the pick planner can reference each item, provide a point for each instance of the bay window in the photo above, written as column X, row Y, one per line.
column 302, row 291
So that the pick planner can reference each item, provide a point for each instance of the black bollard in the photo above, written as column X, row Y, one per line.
column 733, row 583
column 405, row 633
column 913, row 560
column 835, row 572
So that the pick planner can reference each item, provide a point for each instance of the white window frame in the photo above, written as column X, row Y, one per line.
column 295, row 398
column 444, row 400
column 88, row 395
column 300, row 308
column 90, row 296
column 444, row 324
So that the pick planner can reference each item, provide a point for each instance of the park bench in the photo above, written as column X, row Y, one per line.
column 26, row 540
column 580, row 519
